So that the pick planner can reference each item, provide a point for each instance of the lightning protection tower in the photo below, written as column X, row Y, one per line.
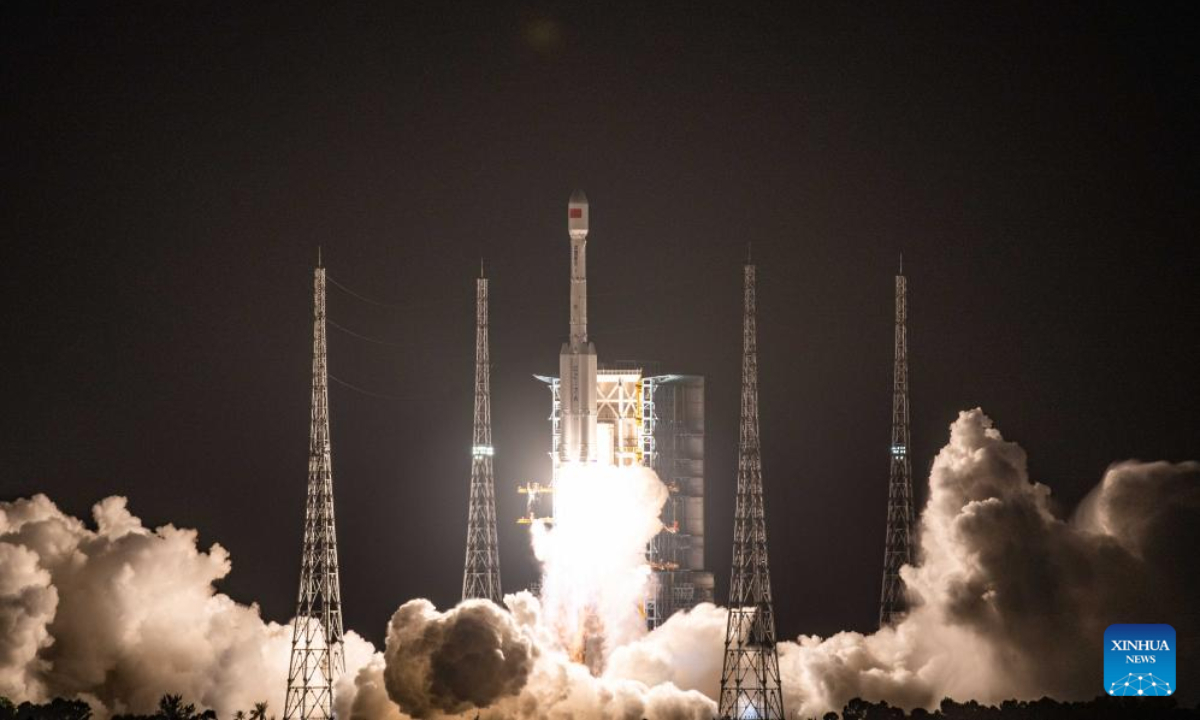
column 481, row 572
column 900, row 535
column 317, row 653
column 750, row 685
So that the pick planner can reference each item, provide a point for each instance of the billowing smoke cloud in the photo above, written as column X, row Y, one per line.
column 478, row 655
column 684, row 651
column 121, row 615
column 466, row 658
column 1009, row 595
column 367, row 698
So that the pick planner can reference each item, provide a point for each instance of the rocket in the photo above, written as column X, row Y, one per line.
column 577, row 359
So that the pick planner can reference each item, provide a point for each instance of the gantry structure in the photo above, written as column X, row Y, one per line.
column 481, row 571
column 750, row 686
column 317, row 654
column 901, row 535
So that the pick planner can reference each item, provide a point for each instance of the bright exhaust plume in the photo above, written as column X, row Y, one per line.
column 596, row 577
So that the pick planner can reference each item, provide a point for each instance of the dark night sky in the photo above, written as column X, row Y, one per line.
column 169, row 170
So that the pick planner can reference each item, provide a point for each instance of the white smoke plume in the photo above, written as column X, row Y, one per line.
column 1011, row 599
column 510, row 664
column 451, row 662
column 120, row 615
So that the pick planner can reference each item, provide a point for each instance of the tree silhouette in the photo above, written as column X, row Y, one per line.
column 56, row 709
column 1100, row 708
column 171, row 707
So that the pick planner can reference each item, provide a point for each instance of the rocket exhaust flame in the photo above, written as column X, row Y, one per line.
column 595, row 573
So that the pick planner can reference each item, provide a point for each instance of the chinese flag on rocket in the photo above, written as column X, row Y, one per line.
column 576, row 212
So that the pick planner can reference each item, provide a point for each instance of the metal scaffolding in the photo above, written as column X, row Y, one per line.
column 317, row 653
column 750, row 686
column 481, row 570
column 900, row 516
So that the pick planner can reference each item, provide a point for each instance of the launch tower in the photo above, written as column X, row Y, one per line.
column 900, row 534
column 481, row 571
column 750, row 685
column 317, row 653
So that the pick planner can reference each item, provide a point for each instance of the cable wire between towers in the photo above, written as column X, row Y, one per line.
column 381, row 396
column 362, row 297
column 368, row 338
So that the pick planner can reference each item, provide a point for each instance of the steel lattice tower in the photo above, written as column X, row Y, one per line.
column 481, row 571
column 317, row 653
column 750, row 685
column 900, row 533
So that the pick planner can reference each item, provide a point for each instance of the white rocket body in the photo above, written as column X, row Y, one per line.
column 577, row 360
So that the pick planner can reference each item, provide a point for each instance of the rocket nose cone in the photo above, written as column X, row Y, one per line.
column 577, row 215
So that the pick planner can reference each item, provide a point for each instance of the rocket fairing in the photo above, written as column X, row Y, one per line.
column 577, row 359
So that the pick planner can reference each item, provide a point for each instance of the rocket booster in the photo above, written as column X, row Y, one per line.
column 577, row 359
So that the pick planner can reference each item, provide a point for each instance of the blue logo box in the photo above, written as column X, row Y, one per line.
column 1139, row 660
